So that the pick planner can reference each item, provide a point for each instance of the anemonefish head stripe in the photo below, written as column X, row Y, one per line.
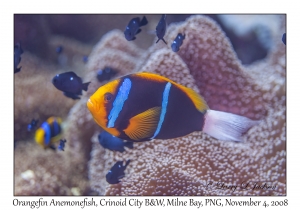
column 164, row 108
column 119, row 102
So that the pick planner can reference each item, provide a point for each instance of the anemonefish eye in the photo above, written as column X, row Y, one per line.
column 107, row 96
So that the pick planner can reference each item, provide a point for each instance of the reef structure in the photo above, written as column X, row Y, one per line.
column 198, row 164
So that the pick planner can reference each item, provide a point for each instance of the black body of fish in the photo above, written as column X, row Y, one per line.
column 161, row 29
column 70, row 84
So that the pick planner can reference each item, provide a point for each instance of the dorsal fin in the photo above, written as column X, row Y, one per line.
column 199, row 102
column 195, row 97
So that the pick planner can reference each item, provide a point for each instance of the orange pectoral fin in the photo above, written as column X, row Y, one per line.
column 144, row 124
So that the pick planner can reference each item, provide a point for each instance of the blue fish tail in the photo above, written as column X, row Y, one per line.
column 18, row 69
column 129, row 144
column 127, row 162
column 284, row 38
column 85, row 86
column 164, row 40
column 144, row 21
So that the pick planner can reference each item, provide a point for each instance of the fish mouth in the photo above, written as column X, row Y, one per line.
column 91, row 106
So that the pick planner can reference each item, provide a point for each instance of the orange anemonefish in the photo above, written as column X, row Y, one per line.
column 49, row 132
column 145, row 106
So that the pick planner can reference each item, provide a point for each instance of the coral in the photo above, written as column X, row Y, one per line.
column 46, row 172
column 31, row 102
column 34, row 94
column 78, row 123
column 185, row 166
column 111, row 51
column 35, row 97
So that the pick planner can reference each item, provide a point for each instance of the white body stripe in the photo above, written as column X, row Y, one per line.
column 119, row 101
column 163, row 108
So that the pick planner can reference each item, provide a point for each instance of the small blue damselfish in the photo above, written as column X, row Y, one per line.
column 113, row 143
column 31, row 126
column 106, row 74
column 133, row 28
column 116, row 172
column 70, row 84
column 177, row 42
column 61, row 145
column 161, row 29
column 17, row 57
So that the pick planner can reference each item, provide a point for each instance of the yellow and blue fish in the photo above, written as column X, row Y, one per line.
column 145, row 106
column 49, row 132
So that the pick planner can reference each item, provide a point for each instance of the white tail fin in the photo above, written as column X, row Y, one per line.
column 226, row 126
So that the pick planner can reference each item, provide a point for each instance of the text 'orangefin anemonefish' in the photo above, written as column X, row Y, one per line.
column 145, row 106
column 49, row 132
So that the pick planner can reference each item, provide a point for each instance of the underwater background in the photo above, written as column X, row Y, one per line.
column 236, row 62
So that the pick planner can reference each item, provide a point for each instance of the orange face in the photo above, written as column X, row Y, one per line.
column 99, row 103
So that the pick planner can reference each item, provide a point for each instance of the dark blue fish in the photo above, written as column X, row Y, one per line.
column 284, row 38
column 31, row 126
column 70, row 84
column 116, row 172
column 113, row 143
column 17, row 57
column 133, row 28
column 161, row 28
column 61, row 145
column 59, row 49
column 85, row 59
column 177, row 42
column 106, row 74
